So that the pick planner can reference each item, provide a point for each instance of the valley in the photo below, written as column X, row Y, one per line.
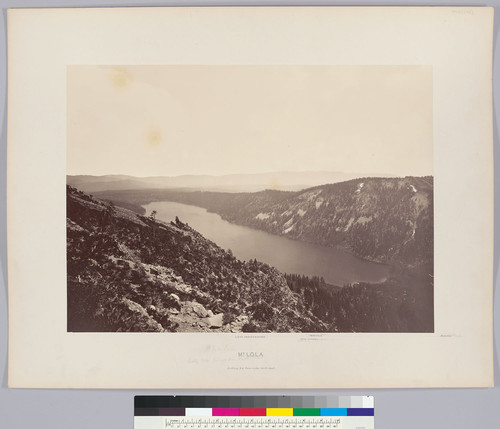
column 379, row 219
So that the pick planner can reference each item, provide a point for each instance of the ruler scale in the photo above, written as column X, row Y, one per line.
column 253, row 412
column 250, row 423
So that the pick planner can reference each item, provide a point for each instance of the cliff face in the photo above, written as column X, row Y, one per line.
column 377, row 219
column 127, row 272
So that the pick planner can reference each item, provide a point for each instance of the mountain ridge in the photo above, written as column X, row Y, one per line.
column 253, row 182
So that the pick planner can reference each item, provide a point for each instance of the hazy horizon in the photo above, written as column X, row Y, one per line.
column 284, row 181
column 169, row 121
column 246, row 174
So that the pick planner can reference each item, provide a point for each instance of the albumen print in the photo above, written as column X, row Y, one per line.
column 250, row 199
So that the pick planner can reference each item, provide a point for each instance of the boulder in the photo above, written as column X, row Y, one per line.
column 196, row 308
column 215, row 322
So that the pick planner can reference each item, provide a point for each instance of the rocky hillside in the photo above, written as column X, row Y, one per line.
column 127, row 272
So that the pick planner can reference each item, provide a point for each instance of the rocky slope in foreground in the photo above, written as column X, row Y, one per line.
column 128, row 272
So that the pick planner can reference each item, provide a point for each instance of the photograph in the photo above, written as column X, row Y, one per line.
column 257, row 198
column 250, row 199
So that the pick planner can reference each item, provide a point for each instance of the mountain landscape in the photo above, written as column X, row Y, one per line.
column 380, row 219
column 263, row 198
column 128, row 271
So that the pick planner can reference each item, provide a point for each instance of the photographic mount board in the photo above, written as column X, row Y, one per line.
column 457, row 43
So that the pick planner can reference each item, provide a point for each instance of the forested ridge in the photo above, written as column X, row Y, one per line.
column 403, row 303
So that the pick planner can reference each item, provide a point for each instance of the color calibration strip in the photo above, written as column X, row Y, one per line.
column 177, row 412
column 254, row 412
column 252, row 402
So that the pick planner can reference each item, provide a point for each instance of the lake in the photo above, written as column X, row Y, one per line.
column 289, row 256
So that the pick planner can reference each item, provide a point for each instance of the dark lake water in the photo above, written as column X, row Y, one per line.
column 289, row 256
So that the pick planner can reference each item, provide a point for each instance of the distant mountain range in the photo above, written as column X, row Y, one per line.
column 285, row 181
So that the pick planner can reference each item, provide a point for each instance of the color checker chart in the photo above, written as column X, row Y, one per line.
column 254, row 412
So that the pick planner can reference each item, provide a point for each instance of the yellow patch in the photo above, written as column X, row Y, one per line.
column 120, row 79
column 154, row 137
column 274, row 185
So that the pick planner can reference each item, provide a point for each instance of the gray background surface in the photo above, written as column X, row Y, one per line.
column 395, row 408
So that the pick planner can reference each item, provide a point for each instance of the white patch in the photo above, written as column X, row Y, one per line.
column 288, row 223
column 360, row 186
column 286, row 231
column 413, row 188
column 301, row 212
column 263, row 216
column 413, row 226
column 319, row 202
column 351, row 220
column 421, row 201
column 363, row 219
column 310, row 196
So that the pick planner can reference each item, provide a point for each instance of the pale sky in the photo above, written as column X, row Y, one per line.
column 175, row 120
